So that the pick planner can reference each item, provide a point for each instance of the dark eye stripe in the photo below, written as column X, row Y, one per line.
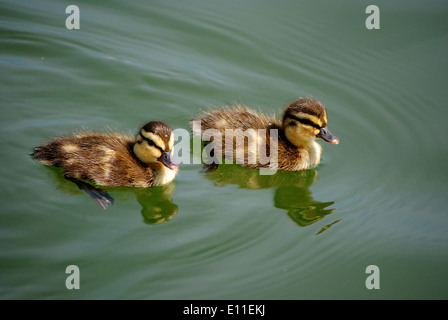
column 151, row 143
column 305, row 121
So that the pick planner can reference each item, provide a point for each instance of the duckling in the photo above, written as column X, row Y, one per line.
column 303, row 120
column 111, row 159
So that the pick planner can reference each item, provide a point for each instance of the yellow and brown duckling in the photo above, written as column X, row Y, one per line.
column 112, row 159
column 303, row 120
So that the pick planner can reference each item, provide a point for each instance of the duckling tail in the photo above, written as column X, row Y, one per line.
column 44, row 154
column 36, row 152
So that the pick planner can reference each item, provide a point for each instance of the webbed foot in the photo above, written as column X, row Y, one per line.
column 99, row 195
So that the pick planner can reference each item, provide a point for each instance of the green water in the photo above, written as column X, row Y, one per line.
column 378, row 198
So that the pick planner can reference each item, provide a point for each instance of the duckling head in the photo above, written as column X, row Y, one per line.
column 154, row 144
column 304, row 120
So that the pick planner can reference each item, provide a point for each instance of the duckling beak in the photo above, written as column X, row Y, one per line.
column 326, row 135
column 167, row 161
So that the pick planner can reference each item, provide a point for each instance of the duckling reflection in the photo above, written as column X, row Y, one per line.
column 156, row 202
column 291, row 190
column 157, row 205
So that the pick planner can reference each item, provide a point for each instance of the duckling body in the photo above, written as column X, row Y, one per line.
column 303, row 121
column 111, row 159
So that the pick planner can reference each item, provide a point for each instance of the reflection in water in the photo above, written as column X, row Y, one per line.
column 291, row 191
column 301, row 206
column 156, row 202
column 157, row 205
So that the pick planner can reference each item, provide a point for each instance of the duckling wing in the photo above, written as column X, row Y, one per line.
column 241, row 126
column 233, row 117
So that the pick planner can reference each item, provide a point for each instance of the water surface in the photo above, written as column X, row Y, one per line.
column 378, row 198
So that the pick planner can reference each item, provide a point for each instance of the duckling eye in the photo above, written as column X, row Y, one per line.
column 305, row 121
column 152, row 143
column 293, row 123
